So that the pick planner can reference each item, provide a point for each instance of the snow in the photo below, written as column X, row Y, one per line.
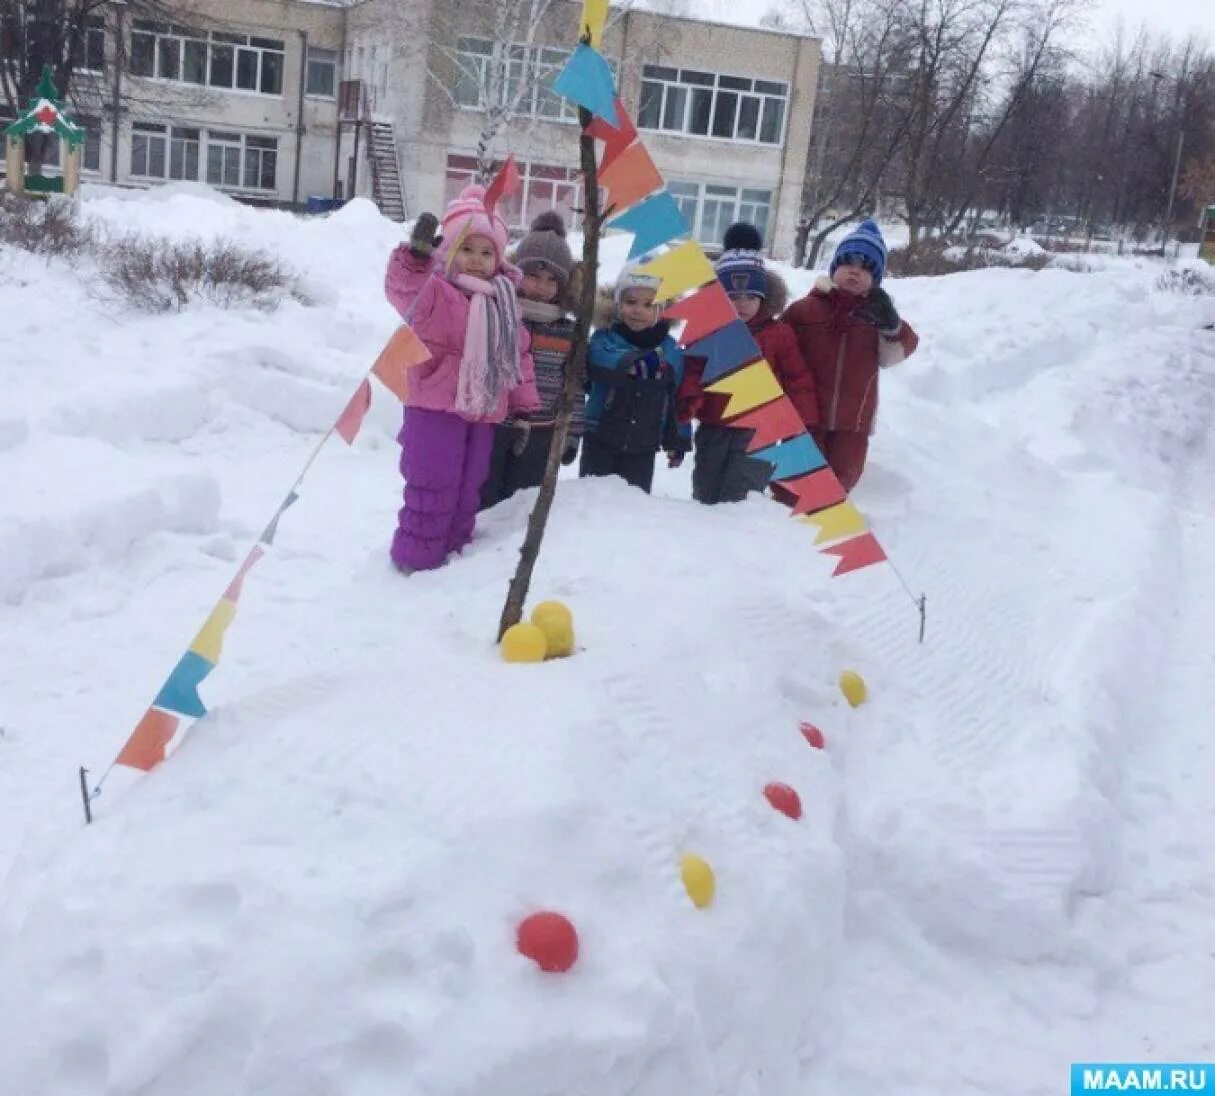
column 1004, row 862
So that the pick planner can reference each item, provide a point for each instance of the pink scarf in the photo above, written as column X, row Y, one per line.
column 489, row 362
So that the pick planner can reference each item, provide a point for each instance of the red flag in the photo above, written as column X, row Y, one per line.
column 772, row 422
column 815, row 491
column 707, row 310
column 856, row 553
column 505, row 183
column 615, row 138
column 350, row 421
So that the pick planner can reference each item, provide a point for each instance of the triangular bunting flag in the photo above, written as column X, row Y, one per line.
column 587, row 81
column 844, row 520
column 237, row 585
column 747, row 388
column 706, row 311
column 773, row 422
column 795, row 457
column 629, row 179
column 271, row 530
column 678, row 270
column 725, row 350
column 180, row 693
column 654, row 222
column 400, row 353
column 145, row 749
column 505, row 183
column 350, row 421
column 209, row 643
column 816, row 491
column 856, row 553
column 594, row 15
column 615, row 138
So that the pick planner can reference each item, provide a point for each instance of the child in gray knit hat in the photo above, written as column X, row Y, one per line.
column 545, row 300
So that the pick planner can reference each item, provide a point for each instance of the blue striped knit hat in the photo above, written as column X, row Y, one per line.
column 864, row 242
column 740, row 269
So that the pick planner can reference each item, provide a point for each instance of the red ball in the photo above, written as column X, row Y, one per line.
column 813, row 735
column 784, row 799
column 549, row 939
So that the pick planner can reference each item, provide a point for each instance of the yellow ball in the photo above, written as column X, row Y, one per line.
column 698, row 879
column 552, row 610
column 557, row 623
column 524, row 643
column 852, row 685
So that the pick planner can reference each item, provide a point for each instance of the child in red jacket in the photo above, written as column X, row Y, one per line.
column 847, row 328
column 722, row 471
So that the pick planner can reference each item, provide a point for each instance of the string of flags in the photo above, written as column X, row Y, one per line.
column 178, row 701
column 639, row 203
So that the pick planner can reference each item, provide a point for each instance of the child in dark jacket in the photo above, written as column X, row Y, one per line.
column 521, row 445
column 848, row 329
column 634, row 369
column 722, row 471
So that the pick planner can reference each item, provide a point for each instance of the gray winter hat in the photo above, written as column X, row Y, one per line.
column 544, row 247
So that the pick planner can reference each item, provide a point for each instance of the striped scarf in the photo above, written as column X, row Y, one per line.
column 489, row 362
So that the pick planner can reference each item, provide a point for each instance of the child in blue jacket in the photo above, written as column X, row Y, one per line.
column 634, row 369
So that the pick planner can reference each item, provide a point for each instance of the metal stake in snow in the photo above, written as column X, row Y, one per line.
column 84, row 795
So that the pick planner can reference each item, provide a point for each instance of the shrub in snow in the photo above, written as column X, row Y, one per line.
column 163, row 276
column 933, row 257
column 42, row 226
column 1193, row 281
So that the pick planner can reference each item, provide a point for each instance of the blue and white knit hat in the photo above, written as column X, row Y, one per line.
column 864, row 242
column 742, row 273
column 740, row 269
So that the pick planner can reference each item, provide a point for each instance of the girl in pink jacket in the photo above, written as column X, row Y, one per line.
column 457, row 292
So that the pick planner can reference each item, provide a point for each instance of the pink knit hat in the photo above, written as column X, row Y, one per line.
column 467, row 216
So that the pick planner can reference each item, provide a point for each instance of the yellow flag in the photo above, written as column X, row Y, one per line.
column 682, row 268
column 594, row 15
column 842, row 520
column 748, row 388
column 210, row 640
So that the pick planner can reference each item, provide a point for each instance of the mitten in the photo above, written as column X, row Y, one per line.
column 424, row 238
column 674, row 458
column 879, row 310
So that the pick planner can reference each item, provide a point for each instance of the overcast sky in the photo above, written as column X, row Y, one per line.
column 1175, row 17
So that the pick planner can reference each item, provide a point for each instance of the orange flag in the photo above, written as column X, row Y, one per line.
column 631, row 177
column 403, row 351
column 145, row 749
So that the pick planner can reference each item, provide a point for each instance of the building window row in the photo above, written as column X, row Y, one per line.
column 710, row 104
column 244, row 161
column 710, row 208
column 489, row 74
column 216, row 59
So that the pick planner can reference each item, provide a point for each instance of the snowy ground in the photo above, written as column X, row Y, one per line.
column 1005, row 860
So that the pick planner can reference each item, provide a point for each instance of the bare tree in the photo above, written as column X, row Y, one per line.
column 860, row 124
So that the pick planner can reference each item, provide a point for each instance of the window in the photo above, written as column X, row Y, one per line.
column 322, row 72
column 88, row 53
column 523, row 74
column 707, row 104
column 710, row 208
column 220, row 60
column 161, row 152
column 246, row 161
column 542, row 187
column 90, row 157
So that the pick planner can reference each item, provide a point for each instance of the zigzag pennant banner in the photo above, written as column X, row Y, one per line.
column 734, row 367
column 178, row 698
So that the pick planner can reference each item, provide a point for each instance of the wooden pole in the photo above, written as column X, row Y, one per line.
column 516, row 596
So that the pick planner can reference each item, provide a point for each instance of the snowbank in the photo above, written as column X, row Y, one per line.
column 318, row 891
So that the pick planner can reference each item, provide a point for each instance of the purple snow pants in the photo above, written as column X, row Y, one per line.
column 444, row 461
